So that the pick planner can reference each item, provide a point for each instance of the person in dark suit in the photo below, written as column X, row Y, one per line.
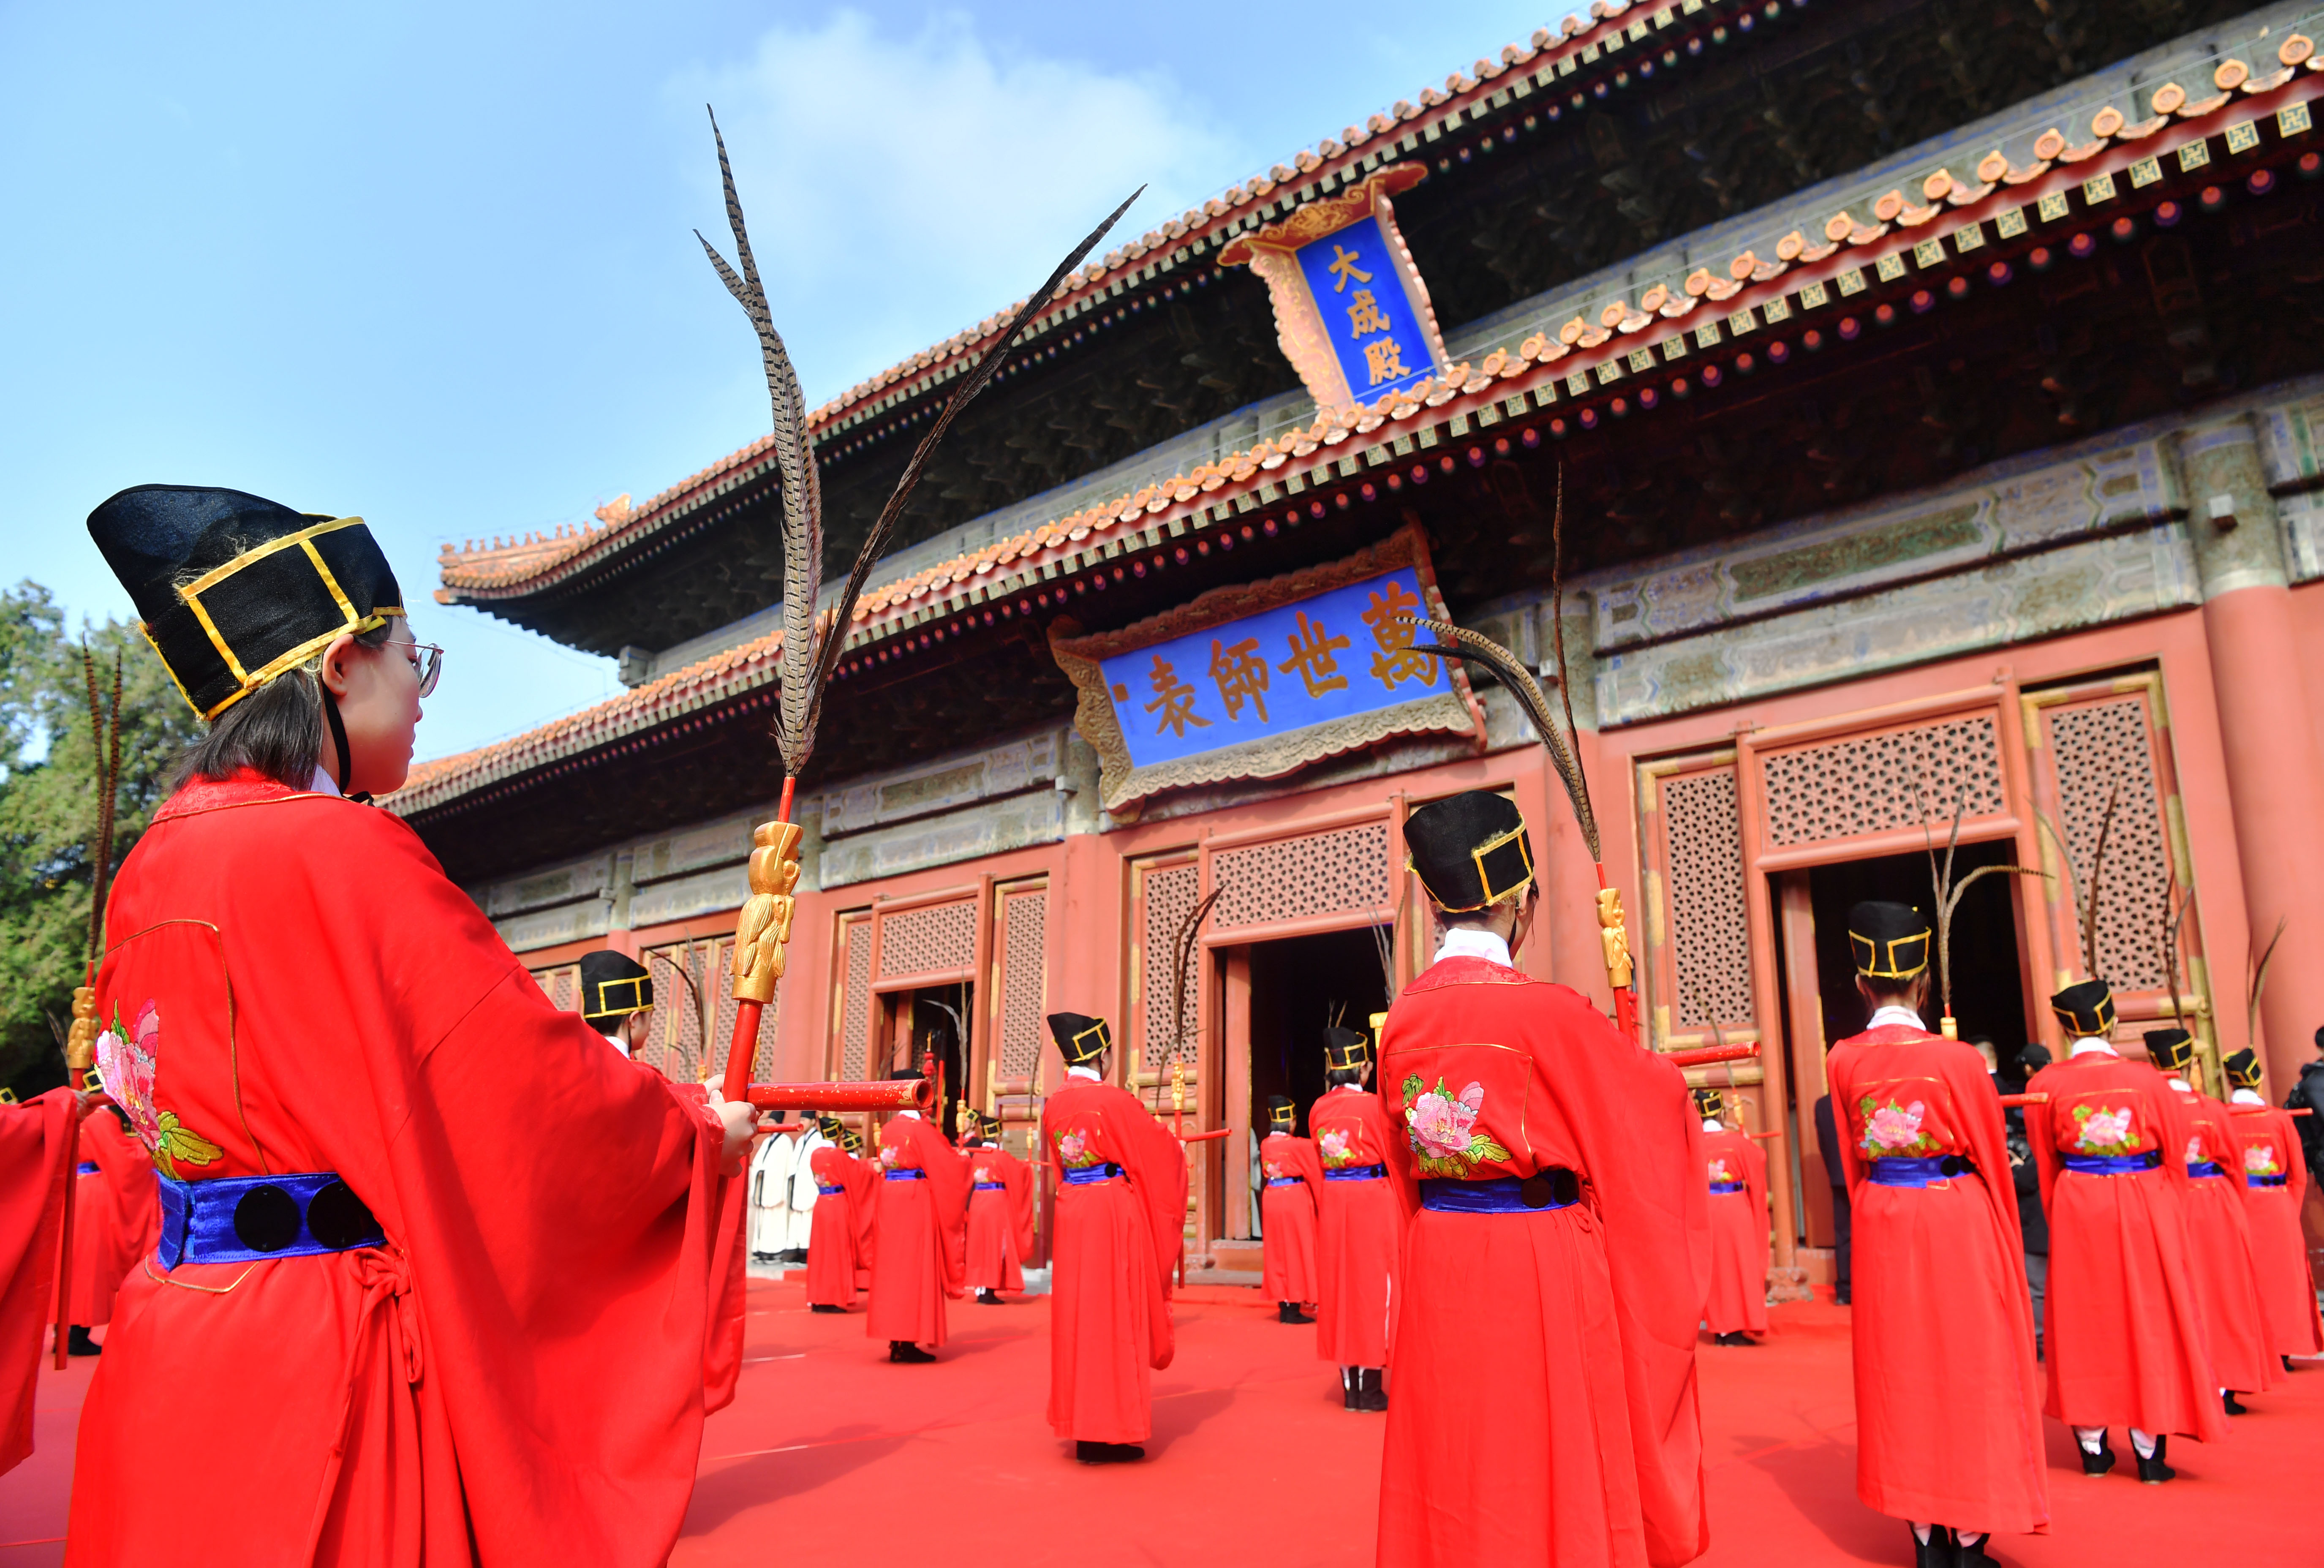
column 2027, row 1178
column 1828, row 1141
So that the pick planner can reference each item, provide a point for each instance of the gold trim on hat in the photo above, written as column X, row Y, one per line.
column 606, row 1008
column 1859, row 947
column 248, row 681
column 1104, row 1041
column 2068, row 1017
column 1492, row 896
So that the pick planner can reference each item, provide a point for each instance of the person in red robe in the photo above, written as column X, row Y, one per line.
column 1000, row 1210
column 839, row 1244
column 36, row 1150
column 920, row 1223
column 363, row 1328
column 115, row 1219
column 1360, row 1222
column 1120, row 1215
column 2275, row 1185
column 1737, row 1170
column 1947, row 1421
column 2218, row 1230
column 1545, row 1409
column 1288, row 1206
column 2125, row 1338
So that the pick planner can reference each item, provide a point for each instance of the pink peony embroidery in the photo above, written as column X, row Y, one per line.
column 1335, row 1144
column 2104, row 1129
column 126, row 1069
column 1719, row 1173
column 887, row 1157
column 1073, row 1149
column 1442, row 1125
column 980, row 1175
column 2195, row 1154
column 1893, row 1128
column 1274, row 1171
column 2259, row 1159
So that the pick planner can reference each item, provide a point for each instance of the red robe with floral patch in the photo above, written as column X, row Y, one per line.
column 1358, row 1231
column 1116, row 1243
column 839, row 1241
column 1736, row 1172
column 116, row 1217
column 36, row 1149
column 2125, row 1338
column 999, row 1218
column 919, row 1233
column 2218, row 1243
column 1544, row 1408
column 2275, row 1185
column 295, row 986
column 1287, row 1203
column 1948, row 1418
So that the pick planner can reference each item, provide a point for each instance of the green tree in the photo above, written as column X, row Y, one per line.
column 48, row 809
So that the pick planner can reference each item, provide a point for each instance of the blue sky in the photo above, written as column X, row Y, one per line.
column 433, row 264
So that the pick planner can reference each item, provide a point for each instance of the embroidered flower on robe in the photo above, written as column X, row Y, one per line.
column 1719, row 1176
column 2259, row 1159
column 2195, row 1154
column 2103, row 1133
column 1892, row 1129
column 126, row 1066
column 1073, row 1149
column 1334, row 1145
column 981, row 1175
column 887, row 1156
column 1442, row 1128
column 1274, row 1171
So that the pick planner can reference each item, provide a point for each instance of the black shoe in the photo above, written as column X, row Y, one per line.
column 2235, row 1406
column 906, row 1351
column 2154, row 1471
column 2287, row 1363
column 1351, row 1391
column 987, row 1296
column 78, row 1343
column 2101, row 1462
column 1936, row 1552
column 1288, row 1312
column 1738, row 1338
column 825, row 1306
column 1107, row 1453
column 1974, row 1555
column 1371, row 1389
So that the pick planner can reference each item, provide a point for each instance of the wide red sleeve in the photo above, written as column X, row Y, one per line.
column 1754, row 1175
column 1301, row 1152
column 1388, row 1135
column 949, row 1175
column 2295, row 1157
column 1018, row 1178
column 36, row 1160
column 1156, row 1163
column 2042, row 1134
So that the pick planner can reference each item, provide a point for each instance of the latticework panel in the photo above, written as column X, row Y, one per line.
column 855, row 996
column 2100, row 747
column 929, row 940
column 1879, row 783
column 1289, row 879
column 722, row 1024
column 1025, row 924
column 675, row 1042
column 1170, row 895
column 1711, row 948
column 562, row 986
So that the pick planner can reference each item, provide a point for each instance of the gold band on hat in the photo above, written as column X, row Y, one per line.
column 1869, row 953
column 248, row 680
column 1104, row 1041
column 1484, row 877
column 606, row 1008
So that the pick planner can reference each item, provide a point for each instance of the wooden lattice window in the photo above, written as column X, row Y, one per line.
column 1020, row 965
column 933, row 939
column 1343, row 872
column 561, row 986
column 1879, row 782
column 1165, row 895
column 851, row 1009
column 674, row 1038
column 1698, row 934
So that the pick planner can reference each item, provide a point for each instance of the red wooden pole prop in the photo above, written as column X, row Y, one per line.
column 64, row 1261
column 2025, row 1099
column 893, row 1094
column 774, row 862
column 1704, row 1056
column 2264, row 1110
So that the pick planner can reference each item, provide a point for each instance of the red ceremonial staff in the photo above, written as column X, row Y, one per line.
column 812, row 641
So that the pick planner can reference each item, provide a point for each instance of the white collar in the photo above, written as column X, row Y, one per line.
column 322, row 783
column 1468, row 942
column 2090, row 1045
column 1899, row 1017
column 2180, row 1085
column 913, row 1114
column 616, row 1042
column 2245, row 1097
column 1089, row 1073
column 1713, row 1124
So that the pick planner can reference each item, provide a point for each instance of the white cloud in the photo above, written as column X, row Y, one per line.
column 900, row 189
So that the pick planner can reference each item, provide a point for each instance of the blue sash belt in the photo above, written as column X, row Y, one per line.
column 907, row 1174
column 251, row 1219
column 2264, row 1181
column 1355, row 1173
column 1909, row 1171
column 2113, row 1164
column 1728, row 1187
column 1282, row 1181
column 993, row 1186
column 1554, row 1188
column 87, row 1167
column 2204, row 1167
column 1082, row 1176
column 831, row 1192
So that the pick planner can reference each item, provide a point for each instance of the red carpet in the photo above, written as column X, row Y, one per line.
column 831, row 1451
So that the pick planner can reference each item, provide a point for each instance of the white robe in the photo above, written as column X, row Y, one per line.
column 783, row 1191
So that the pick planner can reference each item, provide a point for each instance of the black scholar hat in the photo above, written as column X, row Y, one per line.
column 1709, row 1102
column 2085, row 1007
column 613, row 985
column 2170, row 1049
column 1470, row 850
column 830, row 1126
column 1281, row 1115
column 2242, row 1069
column 1345, row 1050
column 232, row 590
column 1889, row 941
column 1080, row 1039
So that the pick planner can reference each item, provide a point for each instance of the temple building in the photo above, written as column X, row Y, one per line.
column 1935, row 396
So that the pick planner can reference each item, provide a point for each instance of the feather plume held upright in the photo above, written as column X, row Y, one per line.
column 812, row 643
column 1459, row 642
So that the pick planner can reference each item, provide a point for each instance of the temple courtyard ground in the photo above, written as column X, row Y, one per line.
column 831, row 1455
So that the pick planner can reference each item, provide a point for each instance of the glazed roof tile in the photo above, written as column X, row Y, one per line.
column 1887, row 225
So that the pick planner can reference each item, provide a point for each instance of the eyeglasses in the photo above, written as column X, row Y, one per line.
column 427, row 668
